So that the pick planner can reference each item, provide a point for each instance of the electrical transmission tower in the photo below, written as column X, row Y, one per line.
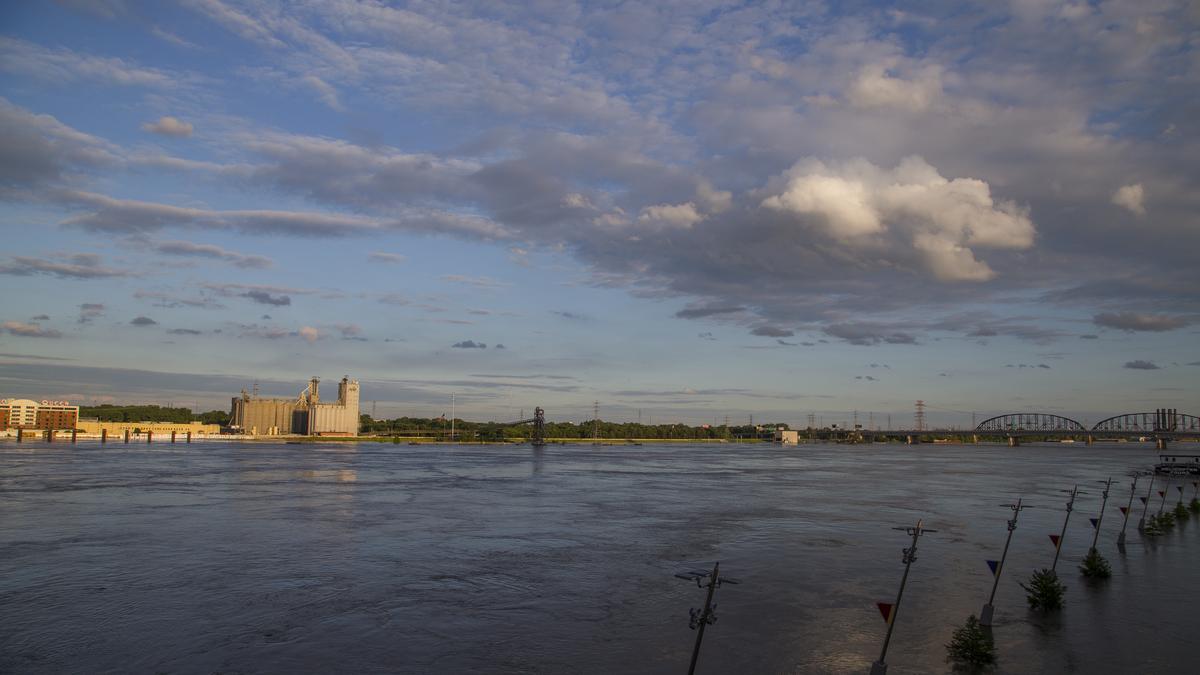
column 919, row 417
column 596, row 422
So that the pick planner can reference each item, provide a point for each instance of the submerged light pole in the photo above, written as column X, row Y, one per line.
column 985, row 615
column 1058, row 541
column 703, row 617
column 1132, row 490
column 1097, row 521
column 889, row 611
column 1146, row 504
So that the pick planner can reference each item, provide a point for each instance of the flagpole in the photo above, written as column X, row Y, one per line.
column 1103, row 505
column 1063, row 534
column 985, row 615
column 910, row 554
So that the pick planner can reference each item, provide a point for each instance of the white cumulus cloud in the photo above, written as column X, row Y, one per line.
column 169, row 126
column 1131, row 197
column 672, row 215
column 911, row 214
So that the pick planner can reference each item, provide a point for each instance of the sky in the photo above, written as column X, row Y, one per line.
column 677, row 211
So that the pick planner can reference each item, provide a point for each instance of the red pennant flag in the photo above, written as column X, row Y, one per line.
column 1162, row 493
column 1055, row 539
column 885, row 608
column 993, row 565
column 1094, row 521
column 1124, row 510
column 1143, row 499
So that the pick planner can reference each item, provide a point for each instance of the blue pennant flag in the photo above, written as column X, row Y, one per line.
column 1094, row 521
column 993, row 565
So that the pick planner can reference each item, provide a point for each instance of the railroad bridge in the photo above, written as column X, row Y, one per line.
column 1162, row 424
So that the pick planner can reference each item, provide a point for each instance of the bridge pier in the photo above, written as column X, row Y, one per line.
column 1160, row 443
column 74, row 435
column 912, row 440
column 126, row 435
column 1091, row 439
column 189, row 437
column 172, row 436
column 104, row 435
column 975, row 438
column 1013, row 442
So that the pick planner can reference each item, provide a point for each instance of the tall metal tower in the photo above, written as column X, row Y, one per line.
column 919, row 417
column 596, row 421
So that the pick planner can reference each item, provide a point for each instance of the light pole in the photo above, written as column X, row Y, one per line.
column 889, row 611
column 985, row 615
column 1058, row 541
column 1097, row 521
column 1146, row 504
column 1132, row 489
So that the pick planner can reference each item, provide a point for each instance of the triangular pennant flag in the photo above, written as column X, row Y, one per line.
column 1094, row 521
column 1162, row 493
column 885, row 608
column 1143, row 499
column 1180, row 488
column 1124, row 510
column 993, row 565
column 1055, row 539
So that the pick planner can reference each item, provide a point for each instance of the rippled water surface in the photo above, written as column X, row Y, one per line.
column 225, row 557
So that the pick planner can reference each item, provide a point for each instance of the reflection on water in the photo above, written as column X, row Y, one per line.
column 282, row 558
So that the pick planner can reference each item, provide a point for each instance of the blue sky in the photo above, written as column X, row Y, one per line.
column 693, row 210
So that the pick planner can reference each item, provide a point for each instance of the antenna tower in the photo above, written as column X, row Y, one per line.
column 919, row 417
column 595, row 421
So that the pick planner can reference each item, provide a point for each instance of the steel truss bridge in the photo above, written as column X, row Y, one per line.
column 1164, row 422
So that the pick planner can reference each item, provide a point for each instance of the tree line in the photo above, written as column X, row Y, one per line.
column 440, row 427
column 151, row 413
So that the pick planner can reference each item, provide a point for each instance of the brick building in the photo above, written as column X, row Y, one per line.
column 22, row 413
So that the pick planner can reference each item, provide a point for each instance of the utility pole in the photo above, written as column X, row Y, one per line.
column 985, row 615
column 890, row 611
column 703, row 617
column 451, row 418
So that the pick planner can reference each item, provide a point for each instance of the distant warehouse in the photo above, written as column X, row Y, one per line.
column 304, row 415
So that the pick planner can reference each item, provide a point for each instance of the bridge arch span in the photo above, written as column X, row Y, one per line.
column 1149, row 422
column 1029, row 422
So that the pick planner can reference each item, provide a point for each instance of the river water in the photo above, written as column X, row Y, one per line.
column 226, row 557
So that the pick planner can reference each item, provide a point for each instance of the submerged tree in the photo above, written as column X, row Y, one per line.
column 971, row 645
column 1045, row 592
column 1194, row 506
column 1181, row 512
column 1095, row 566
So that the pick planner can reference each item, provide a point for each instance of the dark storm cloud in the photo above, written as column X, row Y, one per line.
column 702, row 311
column 869, row 334
column 78, row 266
column 190, row 249
column 1140, row 364
column 772, row 331
column 33, row 330
column 469, row 344
column 1133, row 321
column 143, row 321
column 265, row 298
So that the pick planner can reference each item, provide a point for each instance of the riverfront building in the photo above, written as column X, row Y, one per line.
column 23, row 413
column 305, row 415
column 95, row 427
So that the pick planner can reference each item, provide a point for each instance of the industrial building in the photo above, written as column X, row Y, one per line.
column 22, row 413
column 304, row 415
